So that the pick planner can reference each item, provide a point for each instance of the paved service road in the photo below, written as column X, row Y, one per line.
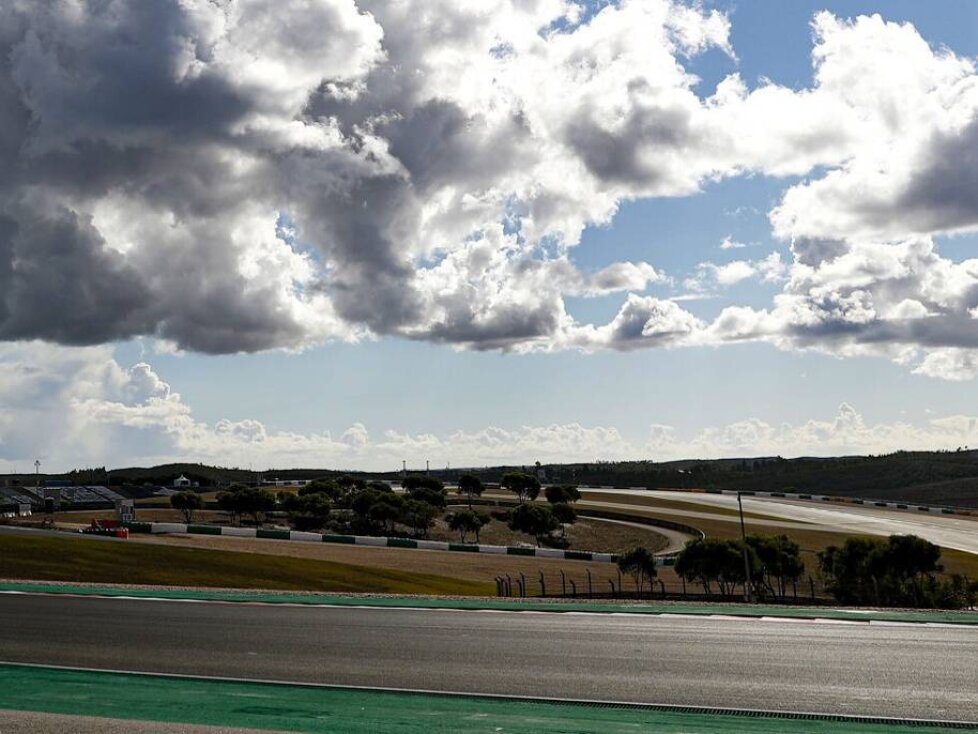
column 882, row 670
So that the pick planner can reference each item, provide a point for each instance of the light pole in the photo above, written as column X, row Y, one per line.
column 743, row 543
column 37, row 473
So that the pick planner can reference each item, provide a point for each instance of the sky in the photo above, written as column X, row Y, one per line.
column 351, row 233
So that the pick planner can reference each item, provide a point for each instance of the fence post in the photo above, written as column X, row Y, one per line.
column 619, row 582
column 543, row 584
column 611, row 583
column 509, row 585
column 589, row 591
column 573, row 588
column 683, row 579
column 811, row 582
column 563, row 583
column 522, row 585
column 794, row 588
column 662, row 588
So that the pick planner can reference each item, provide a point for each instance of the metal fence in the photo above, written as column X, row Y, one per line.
column 588, row 583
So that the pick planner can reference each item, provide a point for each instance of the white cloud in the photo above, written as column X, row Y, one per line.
column 255, row 175
column 709, row 276
column 845, row 433
column 729, row 243
column 79, row 407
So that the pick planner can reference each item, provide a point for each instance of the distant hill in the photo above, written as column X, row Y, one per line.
column 930, row 477
column 940, row 478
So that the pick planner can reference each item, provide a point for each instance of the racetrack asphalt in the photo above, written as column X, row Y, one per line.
column 915, row 671
column 947, row 531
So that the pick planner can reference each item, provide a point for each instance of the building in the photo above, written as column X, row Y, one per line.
column 181, row 481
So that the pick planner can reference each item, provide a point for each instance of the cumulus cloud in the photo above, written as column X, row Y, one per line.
column 77, row 407
column 243, row 175
column 845, row 433
column 709, row 276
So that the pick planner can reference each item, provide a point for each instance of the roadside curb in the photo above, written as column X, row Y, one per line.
column 157, row 528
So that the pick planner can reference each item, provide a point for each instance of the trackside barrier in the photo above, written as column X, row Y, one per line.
column 177, row 528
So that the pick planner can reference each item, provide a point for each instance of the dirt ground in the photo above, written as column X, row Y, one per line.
column 471, row 566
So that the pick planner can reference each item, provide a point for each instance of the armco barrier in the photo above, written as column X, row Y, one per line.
column 368, row 540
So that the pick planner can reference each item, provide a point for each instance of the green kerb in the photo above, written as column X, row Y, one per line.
column 312, row 710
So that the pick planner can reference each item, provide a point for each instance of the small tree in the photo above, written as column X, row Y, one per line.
column 471, row 486
column 467, row 521
column 535, row 520
column 230, row 502
column 307, row 512
column 418, row 481
column 188, row 503
column 562, row 493
column 780, row 563
column 712, row 560
column 429, row 496
column 328, row 487
column 639, row 563
column 565, row 516
column 253, row 501
column 525, row 486
column 419, row 516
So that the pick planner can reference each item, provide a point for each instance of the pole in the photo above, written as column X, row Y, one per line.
column 743, row 541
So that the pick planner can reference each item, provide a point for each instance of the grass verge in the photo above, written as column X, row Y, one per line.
column 88, row 560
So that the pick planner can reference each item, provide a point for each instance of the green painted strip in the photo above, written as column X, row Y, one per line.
column 139, row 527
column 401, row 543
column 463, row 547
column 577, row 555
column 345, row 539
column 204, row 529
column 273, row 534
column 429, row 602
column 312, row 710
column 513, row 551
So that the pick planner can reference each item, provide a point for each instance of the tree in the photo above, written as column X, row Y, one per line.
column 468, row 521
column 188, row 503
column 639, row 563
column 418, row 481
column 385, row 512
column 897, row 571
column 525, row 486
column 429, row 496
column 309, row 511
column 471, row 486
column 712, row 560
column 565, row 516
column 535, row 520
column 230, row 502
column 779, row 563
column 419, row 516
column 377, row 509
column 254, row 501
column 562, row 494
column 328, row 487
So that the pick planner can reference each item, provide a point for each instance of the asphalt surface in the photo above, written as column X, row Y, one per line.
column 946, row 531
column 918, row 671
